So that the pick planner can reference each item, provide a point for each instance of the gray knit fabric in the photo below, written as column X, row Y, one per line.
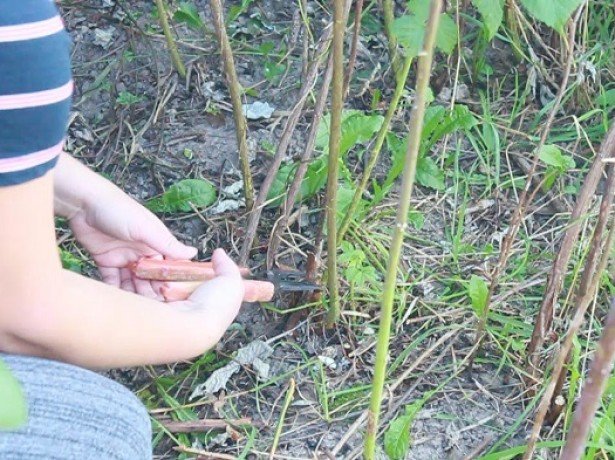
column 75, row 414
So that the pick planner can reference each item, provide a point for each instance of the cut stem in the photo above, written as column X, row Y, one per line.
column 166, row 29
column 390, row 281
column 384, row 129
column 337, row 102
column 241, row 127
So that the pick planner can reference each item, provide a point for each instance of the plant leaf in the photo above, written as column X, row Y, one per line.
column 13, row 410
column 409, row 30
column 492, row 13
column 554, row 13
column 180, row 196
column 397, row 437
column 478, row 290
column 189, row 14
column 551, row 155
column 428, row 174
column 314, row 180
column 357, row 127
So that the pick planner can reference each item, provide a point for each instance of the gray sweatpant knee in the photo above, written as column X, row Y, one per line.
column 74, row 413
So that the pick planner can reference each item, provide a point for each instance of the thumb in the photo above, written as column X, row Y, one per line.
column 224, row 266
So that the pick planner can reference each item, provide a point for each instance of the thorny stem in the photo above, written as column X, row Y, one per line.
column 386, row 313
column 241, row 127
column 384, row 129
column 337, row 103
column 591, row 394
column 164, row 22
column 519, row 213
column 583, row 300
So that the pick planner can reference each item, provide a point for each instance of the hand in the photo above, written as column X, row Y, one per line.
column 116, row 230
column 219, row 299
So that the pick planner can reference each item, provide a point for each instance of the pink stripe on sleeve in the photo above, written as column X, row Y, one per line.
column 30, row 160
column 36, row 99
column 31, row 30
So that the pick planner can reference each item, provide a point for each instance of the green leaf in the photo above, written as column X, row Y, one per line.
column 554, row 13
column 13, row 410
column 551, row 155
column 357, row 127
column 409, row 30
column 492, row 12
column 188, row 13
column 446, row 38
column 478, row 290
column 314, row 180
column 397, row 436
column 180, row 196
column 428, row 174
column 606, row 99
column 70, row 262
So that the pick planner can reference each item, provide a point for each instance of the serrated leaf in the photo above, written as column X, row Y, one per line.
column 357, row 127
column 428, row 174
column 189, row 14
column 478, row 290
column 492, row 13
column 554, row 13
column 409, row 30
column 446, row 38
column 180, row 197
column 551, row 155
column 13, row 410
column 397, row 436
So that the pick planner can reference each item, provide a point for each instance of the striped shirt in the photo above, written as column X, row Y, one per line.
column 35, row 88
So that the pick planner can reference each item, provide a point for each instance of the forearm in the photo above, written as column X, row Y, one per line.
column 88, row 323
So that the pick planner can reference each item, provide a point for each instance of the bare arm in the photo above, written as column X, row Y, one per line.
column 51, row 312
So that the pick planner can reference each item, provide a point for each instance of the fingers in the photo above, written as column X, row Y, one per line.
column 160, row 239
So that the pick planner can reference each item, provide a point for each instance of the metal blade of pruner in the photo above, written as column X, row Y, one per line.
column 288, row 281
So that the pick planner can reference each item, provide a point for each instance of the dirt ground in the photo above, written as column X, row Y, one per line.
column 176, row 129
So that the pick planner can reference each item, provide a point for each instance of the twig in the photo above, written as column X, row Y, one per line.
column 360, row 421
column 278, row 432
column 592, row 391
column 304, row 161
column 583, row 301
column 164, row 22
column 241, row 127
column 519, row 213
column 414, row 139
column 384, row 130
column 335, row 136
column 544, row 317
column 358, row 10
column 203, row 454
column 289, row 128
column 195, row 426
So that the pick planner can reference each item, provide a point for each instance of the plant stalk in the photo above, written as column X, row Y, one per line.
column 337, row 103
column 384, row 129
column 241, row 126
column 414, row 139
column 388, row 14
column 166, row 29
column 592, row 392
